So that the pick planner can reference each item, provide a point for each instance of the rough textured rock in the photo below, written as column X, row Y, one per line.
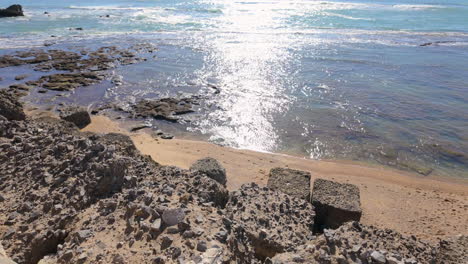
column 453, row 251
column 4, row 259
column 264, row 223
column 12, row 11
column 165, row 108
column 293, row 182
column 335, row 203
column 76, row 115
column 357, row 243
column 10, row 107
column 74, row 197
column 211, row 168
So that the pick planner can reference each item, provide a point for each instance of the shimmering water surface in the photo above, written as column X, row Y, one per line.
column 321, row 79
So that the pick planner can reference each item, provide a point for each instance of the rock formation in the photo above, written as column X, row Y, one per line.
column 12, row 11
column 73, row 197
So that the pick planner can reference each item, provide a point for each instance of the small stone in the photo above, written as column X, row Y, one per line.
column 118, row 259
column 156, row 225
column 173, row 216
column 21, row 77
column 378, row 257
column 172, row 230
column 201, row 246
column 159, row 260
column 166, row 242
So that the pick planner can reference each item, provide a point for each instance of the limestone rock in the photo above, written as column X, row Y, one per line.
column 266, row 222
column 335, row 203
column 211, row 168
column 10, row 107
column 77, row 115
column 293, row 182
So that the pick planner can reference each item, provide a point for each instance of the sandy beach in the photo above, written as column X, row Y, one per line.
column 430, row 208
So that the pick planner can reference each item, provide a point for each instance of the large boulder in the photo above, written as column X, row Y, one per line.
column 77, row 115
column 264, row 222
column 335, row 203
column 293, row 182
column 10, row 107
column 211, row 168
column 12, row 11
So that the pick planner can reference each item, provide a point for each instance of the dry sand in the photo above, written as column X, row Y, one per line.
column 427, row 207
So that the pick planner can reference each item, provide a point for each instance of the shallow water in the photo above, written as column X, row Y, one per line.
column 323, row 79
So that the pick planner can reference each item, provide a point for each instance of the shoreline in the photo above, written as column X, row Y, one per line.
column 398, row 200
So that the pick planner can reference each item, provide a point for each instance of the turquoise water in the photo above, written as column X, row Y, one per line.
column 322, row 79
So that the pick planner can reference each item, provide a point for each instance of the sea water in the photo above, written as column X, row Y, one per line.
column 375, row 81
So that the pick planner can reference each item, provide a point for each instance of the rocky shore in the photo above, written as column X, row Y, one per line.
column 68, row 196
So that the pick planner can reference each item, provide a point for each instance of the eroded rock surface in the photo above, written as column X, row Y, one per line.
column 73, row 197
column 211, row 168
column 335, row 203
column 165, row 108
column 76, row 115
column 357, row 243
column 293, row 182
column 10, row 107
column 266, row 222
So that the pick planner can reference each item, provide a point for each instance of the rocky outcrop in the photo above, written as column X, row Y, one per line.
column 76, row 115
column 357, row 243
column 10, row 107
column 293, row 182
column 335, row 203
column 73, row 197
column 211, row 168
column 264, row 223
column 12, row 11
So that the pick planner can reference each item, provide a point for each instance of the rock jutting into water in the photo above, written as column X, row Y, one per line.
column 12, row 11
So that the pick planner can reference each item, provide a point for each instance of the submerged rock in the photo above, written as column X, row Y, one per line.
column 211, row 168
column 293, row 182
column 335, row 203
column 12, row 11
column 165, row 108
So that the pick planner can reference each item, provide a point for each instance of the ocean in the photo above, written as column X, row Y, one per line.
column 382, row 82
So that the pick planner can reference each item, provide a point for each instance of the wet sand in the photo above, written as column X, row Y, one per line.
column 427, row 207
